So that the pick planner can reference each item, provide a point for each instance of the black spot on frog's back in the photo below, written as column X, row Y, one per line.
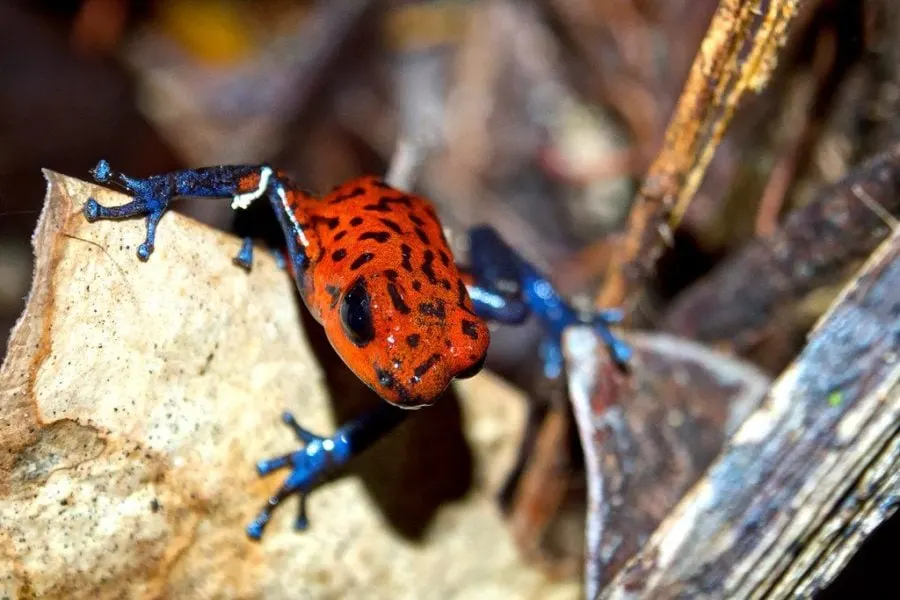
column 384, row 204
column 428, row 267
column 392, row 225
column 379, row 236
column 361, row 260
column 330, row 222
column 433, row 309
column 406, row 258
column 354, row 193
column 425, row 366
column 397, row 299
column 470, row 329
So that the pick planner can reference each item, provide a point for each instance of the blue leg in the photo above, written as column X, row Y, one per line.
column 244, row 257
column 150, row 200
column 152, row 196
column 507, row 289
column 319, row 459
column 494, row 306
column 279, row 259
column 551, row 354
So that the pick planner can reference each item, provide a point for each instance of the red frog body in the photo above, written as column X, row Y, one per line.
column 381, row 280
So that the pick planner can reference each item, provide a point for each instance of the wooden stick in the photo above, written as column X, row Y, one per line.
column 738, row 55
column 807, row 477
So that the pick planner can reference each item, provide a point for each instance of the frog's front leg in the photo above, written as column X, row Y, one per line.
column 319, row 458
column 243, row 184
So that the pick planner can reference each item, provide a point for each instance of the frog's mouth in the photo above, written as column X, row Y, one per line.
column 398, row 394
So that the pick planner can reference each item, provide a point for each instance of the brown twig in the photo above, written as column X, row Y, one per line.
column 541, row 492
column 738, row 54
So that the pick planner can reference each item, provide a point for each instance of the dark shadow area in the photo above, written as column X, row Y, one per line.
column 682, row 264
column 872, row 572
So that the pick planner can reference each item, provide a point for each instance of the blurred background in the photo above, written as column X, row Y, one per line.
column 537, row 117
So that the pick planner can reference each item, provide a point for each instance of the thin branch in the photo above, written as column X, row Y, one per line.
column 738, row 55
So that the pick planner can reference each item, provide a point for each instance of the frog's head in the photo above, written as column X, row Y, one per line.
column 389, row 295
column 402, row 334
column 406, row 344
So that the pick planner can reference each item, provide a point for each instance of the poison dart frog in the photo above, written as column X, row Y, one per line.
column 374, row 268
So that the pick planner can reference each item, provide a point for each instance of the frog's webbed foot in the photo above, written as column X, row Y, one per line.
column 601, row 321
column 151, row 198
column 309, row 466
column 319, row 458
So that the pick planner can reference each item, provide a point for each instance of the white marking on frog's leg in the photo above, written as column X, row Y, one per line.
column 287, row 209
column 243, row 200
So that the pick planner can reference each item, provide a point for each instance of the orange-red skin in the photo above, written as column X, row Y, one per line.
column 426, row 329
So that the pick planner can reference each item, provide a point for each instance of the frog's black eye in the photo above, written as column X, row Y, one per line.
column 356, row 314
